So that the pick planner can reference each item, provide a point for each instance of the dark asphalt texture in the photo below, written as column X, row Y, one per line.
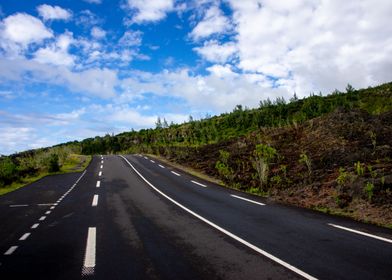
column 143, row 235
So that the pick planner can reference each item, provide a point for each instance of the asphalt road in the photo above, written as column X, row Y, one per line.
column 136, row 218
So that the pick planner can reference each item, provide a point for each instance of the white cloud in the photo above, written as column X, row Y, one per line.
column 99, row 82
column 147, row 11
column 131, row 38
column 57, row 52
column 315, row 45
column 48, row 12
column 93, row 1
column 213, row 22
column 215, row 52
column 98, row 33
column 19, row 30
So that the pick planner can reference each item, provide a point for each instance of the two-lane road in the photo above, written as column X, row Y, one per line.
column 133, row 217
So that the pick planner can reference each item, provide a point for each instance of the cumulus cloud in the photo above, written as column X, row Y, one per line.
column 57, row 52
column 315, row 45
column 98, row 33
column 149, row 11
column 215, row 52
column 48, row 12
column 213, row 22
column 99, row 82
column 19, row 30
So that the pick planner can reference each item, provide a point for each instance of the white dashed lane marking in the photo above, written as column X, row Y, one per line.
column 89, row 257
column 362, row 233
column 34, row 226
column 95, row 200
column 100, row 173
column 249, row 200
column 25, row 236
column 98, row 184
column 200, row 184
column 175, row 173
column 42, row 218
column 161, row 166
column 11, row 250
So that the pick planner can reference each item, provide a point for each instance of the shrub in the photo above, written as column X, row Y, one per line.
column 369, row 190
column 359, row 168
column 7, row 171
column 304, row 159
column 53, row 163
column 263, row 155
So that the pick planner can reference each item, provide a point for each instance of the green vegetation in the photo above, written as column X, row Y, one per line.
column 325, row 152
column 21, row 169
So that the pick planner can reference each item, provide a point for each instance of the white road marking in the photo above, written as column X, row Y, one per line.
column 161, row 166
column 102, row 161
column 98, row 184
column 101, row 166
column 363, row 233
column 81, row 176
column 95, row 200
column 46, row 204
column 35, row 226
column 146, row 157
column 51, row 208
column 249, row 200
column 200, row 184
column 47, row 212
column 42, row 218
column 25, row 236
column 239, row 239
column 19, row 205
column 100, row 173
column 175, row 173
column 89, row 257
column 11, row 250
column 152, row 161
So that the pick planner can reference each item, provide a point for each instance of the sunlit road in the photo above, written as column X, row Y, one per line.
column 133, row 217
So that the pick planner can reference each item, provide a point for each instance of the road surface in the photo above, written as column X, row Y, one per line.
column 133, row 217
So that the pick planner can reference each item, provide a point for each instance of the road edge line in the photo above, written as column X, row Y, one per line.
column 239, row 239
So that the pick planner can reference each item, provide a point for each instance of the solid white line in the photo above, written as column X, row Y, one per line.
column 200, row 184
column 47, row 212
column 249, row 200
column 363, row 233
column 95, row 200
column 152, row 161
column 89, row 257
column 19, row 205
column 175, row 173
column 239, row 239
column 35, row 225
column 25, row 236
column 11, row 250
column 100, row 173
column 101, row 166
column 42, row 218
column 98, row 184
column 161, row 166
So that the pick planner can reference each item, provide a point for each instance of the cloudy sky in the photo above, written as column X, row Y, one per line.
column 76, row 69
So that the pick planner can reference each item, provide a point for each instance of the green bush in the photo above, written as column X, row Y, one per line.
column 53, row 163
column 7, row 171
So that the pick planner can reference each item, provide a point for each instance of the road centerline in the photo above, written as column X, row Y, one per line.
column 11, row 250
column 25, row 236
column 98, row 184
column 89, row 257
column 95, row 200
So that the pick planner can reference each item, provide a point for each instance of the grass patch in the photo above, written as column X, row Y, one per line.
column 74, row 163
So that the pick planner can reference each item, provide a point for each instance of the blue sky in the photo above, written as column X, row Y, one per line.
column 76, row 69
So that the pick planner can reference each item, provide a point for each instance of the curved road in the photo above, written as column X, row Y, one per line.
column 133, row 217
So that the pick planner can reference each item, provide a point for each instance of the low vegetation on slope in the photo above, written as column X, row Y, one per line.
column 330, row 153
column 21, row 169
